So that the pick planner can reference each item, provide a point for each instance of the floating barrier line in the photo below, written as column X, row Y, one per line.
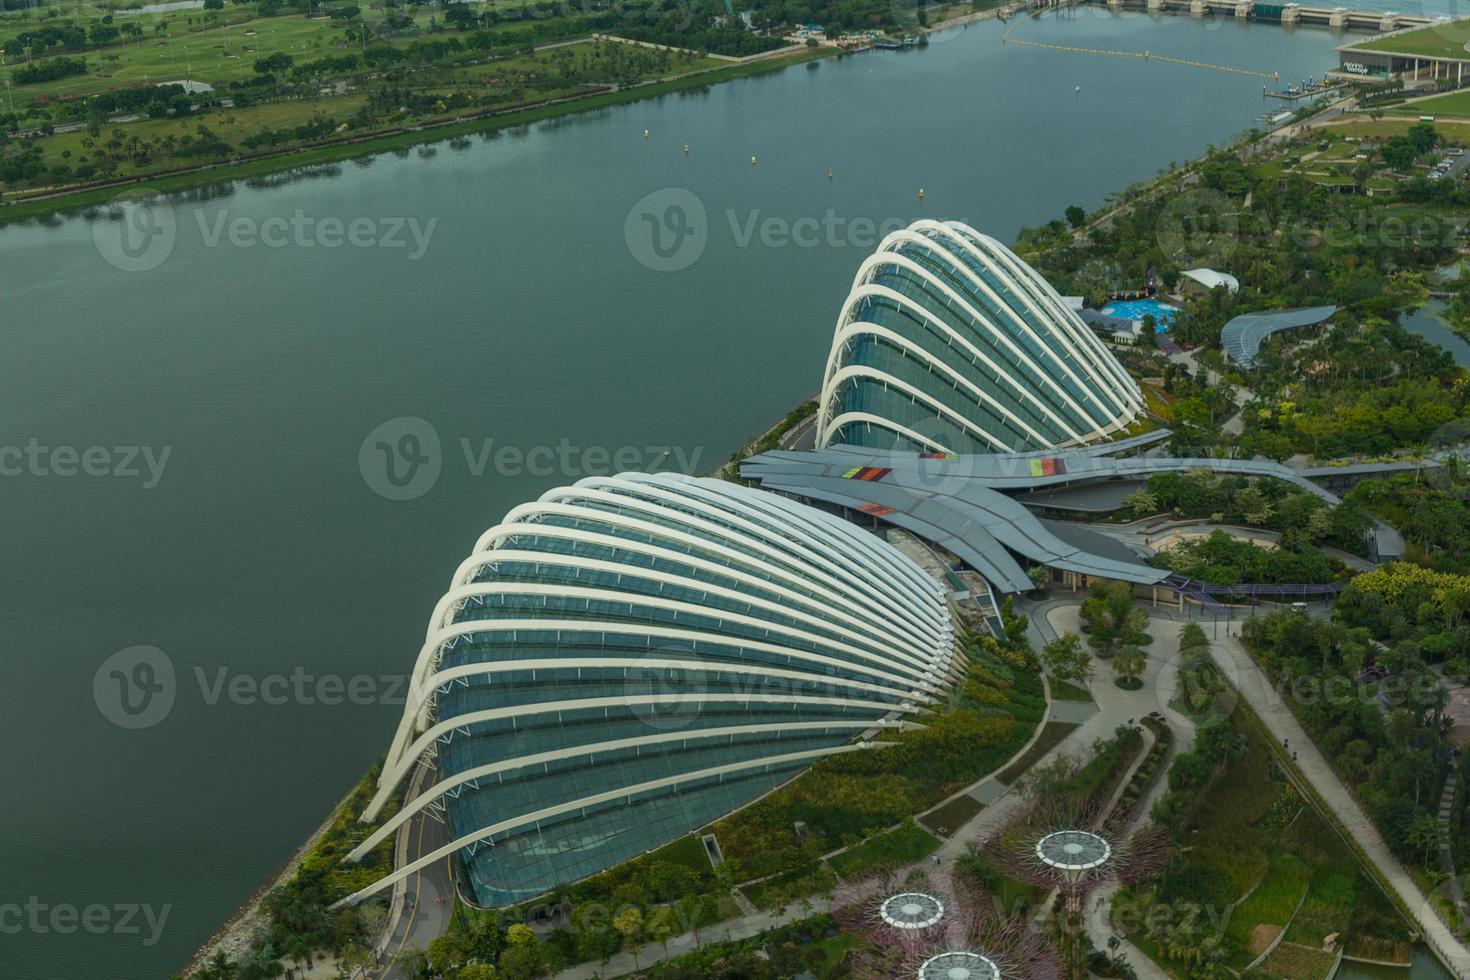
column 1142, row 55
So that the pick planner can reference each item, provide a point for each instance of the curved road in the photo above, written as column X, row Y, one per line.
column 428, row 901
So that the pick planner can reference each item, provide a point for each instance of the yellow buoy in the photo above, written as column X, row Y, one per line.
column 645, row 134
column 829, row 173
column 921, row 193
column 752, row 160
column 686, row 149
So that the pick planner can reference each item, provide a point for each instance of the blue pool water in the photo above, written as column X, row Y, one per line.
column 1134, row 309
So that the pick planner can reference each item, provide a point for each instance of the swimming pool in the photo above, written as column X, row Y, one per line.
column 1134, row 309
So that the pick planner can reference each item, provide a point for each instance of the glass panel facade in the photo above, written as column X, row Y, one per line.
column 792, row 634
column 1043, row 380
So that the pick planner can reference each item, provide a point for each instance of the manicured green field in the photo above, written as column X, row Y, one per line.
column 1454, row 133
column 331, row 154
column 1438, row 41
column 200, row 47
column 1451, row 104
column 904, row 844
column 1067, row 691
column 953, row 815
column 1271, row 904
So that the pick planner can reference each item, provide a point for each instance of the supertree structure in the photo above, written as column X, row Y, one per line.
column 923, row 926
column 984, row 947
column 1061, row 844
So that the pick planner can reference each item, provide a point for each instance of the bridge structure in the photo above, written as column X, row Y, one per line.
column 1342, row 18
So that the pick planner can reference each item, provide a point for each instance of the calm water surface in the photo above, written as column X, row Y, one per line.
column 1428, row 322
column 529, row 321
column 1423, row 967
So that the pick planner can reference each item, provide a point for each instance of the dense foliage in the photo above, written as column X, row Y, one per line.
column 1226, row 560
column 1435, row 523
column 1384, row 730
column 1302, row 519
column 1362, row 384
column 48, row 71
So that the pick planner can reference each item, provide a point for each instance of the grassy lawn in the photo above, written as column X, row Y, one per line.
column 1067, row 691
column 1451, row 104
column 217, row 51
column 905, row 844
column 953, row 815
column 688, row 851
column 1441, row 40
column 232, row 125
column 166, row 183
column 1453, row 133
column 1271, row 904
column 1050, row 736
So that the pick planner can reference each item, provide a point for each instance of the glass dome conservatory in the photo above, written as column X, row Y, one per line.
column 628, row 659
column 949, row 343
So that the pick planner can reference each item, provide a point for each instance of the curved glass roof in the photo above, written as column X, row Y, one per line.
column 1243, row 336
column 628, row 659
column 948, row 342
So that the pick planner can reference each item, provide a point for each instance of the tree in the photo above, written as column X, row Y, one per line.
column 1141, row 502
column 1039, row 575
column 272, row 64
column 1066, row 660
column 477, row 971
column 355, row 960
column 629, row 922
column 1130, row 663
column 446, row 953
column 1423, row 834
column 1076, row 217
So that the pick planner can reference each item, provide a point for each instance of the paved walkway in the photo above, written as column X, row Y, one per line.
column 1114, row 707
column 1253, row 685
column 1453, row 884
column 728, row 931
column 1161, row 684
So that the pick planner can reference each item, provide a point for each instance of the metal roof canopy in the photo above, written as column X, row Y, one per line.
column 1242, row 337
column 957, row 501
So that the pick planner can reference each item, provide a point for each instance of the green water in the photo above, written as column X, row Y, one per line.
column 528, row 321
column 1423, row 967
